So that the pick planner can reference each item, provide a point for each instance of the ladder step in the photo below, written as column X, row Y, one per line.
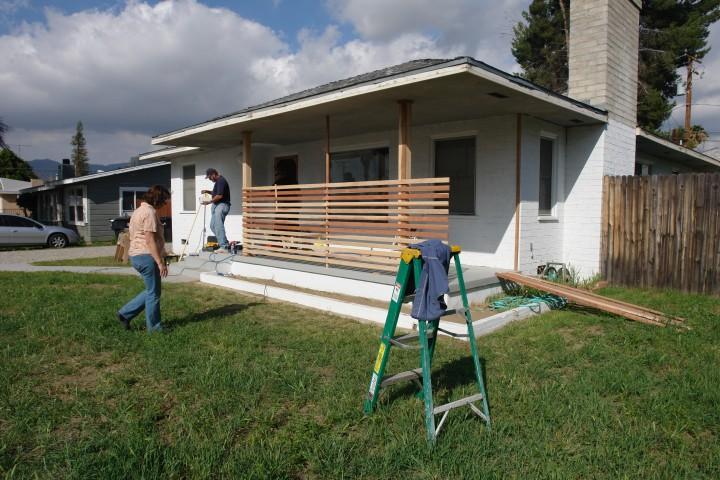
column 453, row 311
column 415, row 374
column 457, row 403
column 398, row 340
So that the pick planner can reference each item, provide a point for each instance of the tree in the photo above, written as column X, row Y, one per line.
column 12, row 166
column 3, row 130
column 692, row 139
column 79, row 151
column 26, row 201
column 540, row 44
column 671, row 32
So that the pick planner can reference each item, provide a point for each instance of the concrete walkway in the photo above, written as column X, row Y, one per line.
column 49, row 254
column 20, row 261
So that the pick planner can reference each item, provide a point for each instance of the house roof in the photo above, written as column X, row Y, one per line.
column 168, row 152
column 9, row 185
column 661, row 147
column 404, row 74
column 94, row 176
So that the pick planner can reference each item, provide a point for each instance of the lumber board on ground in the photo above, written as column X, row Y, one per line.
column 592, row 300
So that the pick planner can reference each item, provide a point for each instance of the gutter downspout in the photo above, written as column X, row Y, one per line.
column 518, row 156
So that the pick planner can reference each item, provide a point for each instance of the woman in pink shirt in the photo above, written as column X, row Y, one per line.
column 147, row 256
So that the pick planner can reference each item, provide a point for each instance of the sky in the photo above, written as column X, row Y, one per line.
column 132, row 69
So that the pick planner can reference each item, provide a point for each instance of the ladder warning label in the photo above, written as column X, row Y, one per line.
column 373, row 382
column 396, row 292
column 381, row 354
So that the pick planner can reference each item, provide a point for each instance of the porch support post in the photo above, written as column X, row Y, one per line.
column 327, row 148
column 246, row 179
column 518, row 157
column 247, row 160
column 404, row 153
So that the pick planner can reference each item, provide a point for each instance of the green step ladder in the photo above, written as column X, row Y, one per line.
column 411, row 263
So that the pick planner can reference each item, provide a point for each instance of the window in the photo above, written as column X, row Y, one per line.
column 456, row 159
column 189, row 188
column 546, row 200
column 359, row 165
column 286, row 170
column 10, row 221
column 75, row 201
column 643, row 169
column 130, row 198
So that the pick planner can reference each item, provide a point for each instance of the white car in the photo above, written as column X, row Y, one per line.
column 17, row 231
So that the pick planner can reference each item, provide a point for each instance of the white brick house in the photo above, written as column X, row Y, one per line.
column 508, row 131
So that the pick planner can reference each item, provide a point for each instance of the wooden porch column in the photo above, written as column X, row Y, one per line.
column 404, row 152
column 327, row 148
column 518, row 157
column 247, row 160
column 246, row 178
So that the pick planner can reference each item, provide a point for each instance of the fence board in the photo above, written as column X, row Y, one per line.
column 359, row 224
column 662, row 231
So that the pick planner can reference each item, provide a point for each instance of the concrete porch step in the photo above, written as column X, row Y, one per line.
column 357, row 310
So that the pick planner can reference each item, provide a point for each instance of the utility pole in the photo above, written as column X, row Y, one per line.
column 19, row 148
column 688, row 98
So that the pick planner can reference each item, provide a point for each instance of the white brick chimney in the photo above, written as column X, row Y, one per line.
column 603, row 69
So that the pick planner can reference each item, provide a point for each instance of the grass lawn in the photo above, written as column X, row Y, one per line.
column 241, row 388
column 83, row 262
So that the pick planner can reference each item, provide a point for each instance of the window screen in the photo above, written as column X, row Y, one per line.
column 456, row 159
column 189, row 188
column 545, row 200
column 359, row 165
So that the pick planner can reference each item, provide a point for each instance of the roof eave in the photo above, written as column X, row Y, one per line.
column 453, row 67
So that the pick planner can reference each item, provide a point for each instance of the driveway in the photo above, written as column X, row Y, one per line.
column 44, row 254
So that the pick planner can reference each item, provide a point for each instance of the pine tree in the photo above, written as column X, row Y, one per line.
column 670, row 32
column 79, row 151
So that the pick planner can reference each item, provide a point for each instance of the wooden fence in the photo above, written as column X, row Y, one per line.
column 352, row 224
column 662, row 231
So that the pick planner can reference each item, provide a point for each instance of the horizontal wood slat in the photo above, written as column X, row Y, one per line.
column 350, row 224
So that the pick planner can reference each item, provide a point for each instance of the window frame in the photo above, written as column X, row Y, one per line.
column 361, row 148
column 182, row 187
column 434, row 139
column 555, row 194
column 68, row 205
column 121, row 190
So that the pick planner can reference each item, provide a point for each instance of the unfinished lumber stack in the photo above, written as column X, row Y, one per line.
column 591, row 300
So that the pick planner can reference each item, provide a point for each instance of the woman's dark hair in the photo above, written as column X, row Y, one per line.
column 157, row 195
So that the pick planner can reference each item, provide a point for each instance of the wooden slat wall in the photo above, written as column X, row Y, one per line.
column 662, row 231
column 351, row 224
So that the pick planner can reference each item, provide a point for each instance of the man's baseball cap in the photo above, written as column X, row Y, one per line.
column 210, row 171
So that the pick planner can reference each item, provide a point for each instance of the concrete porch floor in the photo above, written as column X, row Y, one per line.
column 476, row 277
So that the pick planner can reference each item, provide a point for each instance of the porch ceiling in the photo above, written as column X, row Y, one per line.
column 464, row 95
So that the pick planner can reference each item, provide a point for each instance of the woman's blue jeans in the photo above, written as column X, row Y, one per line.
column 148, row 299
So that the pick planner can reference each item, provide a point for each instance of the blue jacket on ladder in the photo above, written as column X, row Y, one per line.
column 429, row 301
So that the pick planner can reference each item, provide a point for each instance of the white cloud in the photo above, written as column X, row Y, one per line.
column 144, row 69
column 475, row 28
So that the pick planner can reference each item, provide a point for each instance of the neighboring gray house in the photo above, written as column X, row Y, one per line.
column 87, row 204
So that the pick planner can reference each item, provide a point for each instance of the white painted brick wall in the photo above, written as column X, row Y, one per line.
column 541, row 239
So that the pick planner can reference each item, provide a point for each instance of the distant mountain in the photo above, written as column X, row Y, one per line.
column 46, row 168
